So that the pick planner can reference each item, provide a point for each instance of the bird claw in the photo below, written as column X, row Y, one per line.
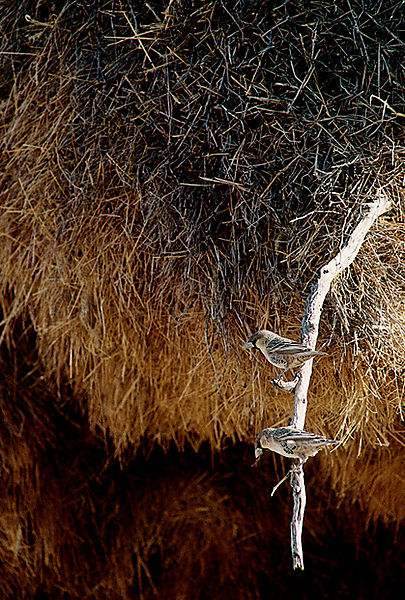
column 297, row 466
column 286, row 386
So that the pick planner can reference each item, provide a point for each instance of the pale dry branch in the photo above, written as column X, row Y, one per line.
column 309, row 336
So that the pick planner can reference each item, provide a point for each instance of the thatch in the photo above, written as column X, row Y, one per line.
column 74, row 524
column 171, row 175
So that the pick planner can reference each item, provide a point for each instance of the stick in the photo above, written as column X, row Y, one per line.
column 280, row 482
column 297, row 521
column 309, row 335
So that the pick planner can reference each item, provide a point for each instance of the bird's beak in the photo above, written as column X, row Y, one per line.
column 258, row 453
column 247, row 345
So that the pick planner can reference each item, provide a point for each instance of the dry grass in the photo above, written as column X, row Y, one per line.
column 170, row 176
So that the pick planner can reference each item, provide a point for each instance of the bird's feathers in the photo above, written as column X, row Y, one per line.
column 290, row 442
column 287, row 441
column 290, row 434
column 285, row 346
column 281, row 352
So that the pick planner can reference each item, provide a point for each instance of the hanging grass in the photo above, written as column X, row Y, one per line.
column 171, row 175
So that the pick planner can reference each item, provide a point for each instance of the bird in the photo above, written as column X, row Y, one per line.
column 290, row 442
column 281, row 352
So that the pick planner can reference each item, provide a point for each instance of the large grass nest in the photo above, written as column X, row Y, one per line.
column 173, row 174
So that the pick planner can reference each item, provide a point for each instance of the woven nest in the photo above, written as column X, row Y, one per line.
column 172, row 175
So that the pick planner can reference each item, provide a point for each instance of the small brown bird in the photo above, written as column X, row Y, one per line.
column 281, row 352
column 290, row 442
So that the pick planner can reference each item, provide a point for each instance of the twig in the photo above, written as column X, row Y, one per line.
column 309, row 335
column 280, row 482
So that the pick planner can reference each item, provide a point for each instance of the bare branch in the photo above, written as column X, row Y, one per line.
column 316, row 298
column 309, row 335
column 297, row 522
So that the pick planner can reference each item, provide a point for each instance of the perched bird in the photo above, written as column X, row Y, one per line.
column 290, row 442
column 281, row 352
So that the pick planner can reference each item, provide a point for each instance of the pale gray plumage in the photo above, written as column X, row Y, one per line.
column 281, row 352
column 290, row 442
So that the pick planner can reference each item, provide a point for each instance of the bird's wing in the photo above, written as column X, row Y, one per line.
column 284, row 434
column 286, row 346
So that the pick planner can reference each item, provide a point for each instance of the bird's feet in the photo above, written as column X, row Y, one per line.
column 286, row 386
